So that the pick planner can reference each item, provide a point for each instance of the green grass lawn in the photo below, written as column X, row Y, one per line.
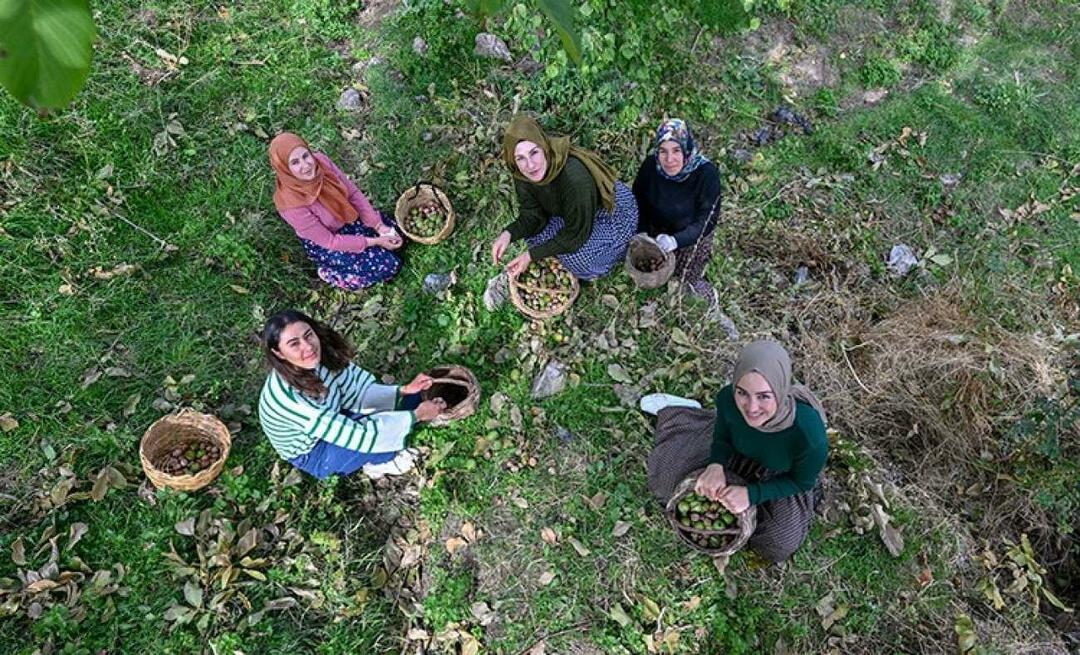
column 141, row 252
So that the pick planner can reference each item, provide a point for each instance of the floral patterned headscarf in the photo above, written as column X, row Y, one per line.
column 676, row 129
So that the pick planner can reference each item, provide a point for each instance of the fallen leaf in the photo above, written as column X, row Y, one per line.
column 417, row 634
column 833, row 617
column 482, row 613
column 454, row 544
column 692, row 604
column 579, row 547
column 469, row 531
column 239, row 289
column 283, row 603
column 549, row 536
column 648, row 607
column 619, row 615
column 546, row 578
column 131, row 404
column 620, row 529
column 925, row 577
column 193, row 594
column 41, row 585
column 597, row 501
column 619, row 374
column 18, row 552
column 89, row 377
column 520, row 502
column 8, row 422
column 186, row 528
column 75, row 533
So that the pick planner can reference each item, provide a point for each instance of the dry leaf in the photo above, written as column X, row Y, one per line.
column 619, row 615
column 186, row 528
column 417, row 634
column 454, row 544
column 597, row 501
column 8, row 422
column 649, row 607
column 520, row 502
column 549, row 536
column 620, row 529
column 469, row 531
column 546, row 578
column 89, row 377
column 117, row 372
column 75, row 533
column 482, row 613
column 18, row 552
column 619, row 374
column 579, row 547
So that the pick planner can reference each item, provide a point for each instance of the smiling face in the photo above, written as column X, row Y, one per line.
column 755, row 399
column 302, row 164
column 671, row 157
column 299, row 346
column 530, row 160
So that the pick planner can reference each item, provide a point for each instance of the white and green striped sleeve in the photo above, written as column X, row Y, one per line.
column 384, row 432
column 360, row 392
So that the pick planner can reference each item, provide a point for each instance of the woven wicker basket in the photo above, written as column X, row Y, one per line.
column 640, row 248
column 515, row 297
column 184, row 427
column 735, row 536
column 458, row 387
column 423, row 193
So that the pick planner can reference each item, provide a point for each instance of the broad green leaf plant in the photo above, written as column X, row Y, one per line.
column 45, row 50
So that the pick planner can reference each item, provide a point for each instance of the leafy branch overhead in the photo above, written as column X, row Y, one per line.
column 45, row 50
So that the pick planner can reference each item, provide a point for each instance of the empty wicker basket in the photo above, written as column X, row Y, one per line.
column 458, row 387
column 183, row 429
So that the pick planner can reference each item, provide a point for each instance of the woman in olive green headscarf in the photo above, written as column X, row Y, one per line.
column 571, row 206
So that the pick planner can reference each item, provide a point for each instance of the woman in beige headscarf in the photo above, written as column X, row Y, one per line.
column 570, row 204
column 768, row 448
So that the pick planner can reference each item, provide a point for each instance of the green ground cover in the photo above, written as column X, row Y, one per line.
column 140, row 252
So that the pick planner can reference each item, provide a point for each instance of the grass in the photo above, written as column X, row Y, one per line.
column 87, row 191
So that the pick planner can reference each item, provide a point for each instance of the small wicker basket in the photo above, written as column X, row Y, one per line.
column 640, row 248
column 516, row 298
column 423, row 193
column 182, row 428
column 735, row 536
column 458, row 387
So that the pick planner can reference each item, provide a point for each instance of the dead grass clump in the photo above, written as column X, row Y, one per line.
column 938, row 386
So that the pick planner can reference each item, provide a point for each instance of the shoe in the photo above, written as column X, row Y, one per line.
column 400, row 465
column 654, row 402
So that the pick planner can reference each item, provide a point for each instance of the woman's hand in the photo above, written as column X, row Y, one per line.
column 391, row 237
column 498, row 248
column 418, row 384
column 519, row 263
column 735, row 498
column 711, row 482
column 429, row 409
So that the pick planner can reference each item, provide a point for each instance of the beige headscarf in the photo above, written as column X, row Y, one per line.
column 772, row 362
column 557, row 149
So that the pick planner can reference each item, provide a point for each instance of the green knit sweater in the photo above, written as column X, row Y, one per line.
column 798, row 452
column 572, row 195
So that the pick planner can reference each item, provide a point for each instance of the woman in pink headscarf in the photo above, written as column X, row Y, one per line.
column 351, row 243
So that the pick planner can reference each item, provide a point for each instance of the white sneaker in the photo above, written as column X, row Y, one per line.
column 654, row 402
column 400, row 465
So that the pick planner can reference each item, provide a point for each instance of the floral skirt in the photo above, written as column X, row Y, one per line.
column 607, row 243
column 355, row 270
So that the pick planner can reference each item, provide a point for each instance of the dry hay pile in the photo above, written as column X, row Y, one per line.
column 939, row 388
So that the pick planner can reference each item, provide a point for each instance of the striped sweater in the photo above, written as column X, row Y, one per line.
column 295, row 423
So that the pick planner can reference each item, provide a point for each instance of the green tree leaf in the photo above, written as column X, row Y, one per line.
column 561, row 13
column 45, row 50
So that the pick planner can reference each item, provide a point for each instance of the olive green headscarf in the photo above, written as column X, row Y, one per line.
column 771, row 361
column 557, row 149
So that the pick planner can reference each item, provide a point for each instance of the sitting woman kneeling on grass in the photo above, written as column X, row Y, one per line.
column 326, row 415
column 570, row 204
column 769, row 431
column 678, row 195
column 350, row 242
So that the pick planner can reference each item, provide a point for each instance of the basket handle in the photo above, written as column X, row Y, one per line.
column 438, row 197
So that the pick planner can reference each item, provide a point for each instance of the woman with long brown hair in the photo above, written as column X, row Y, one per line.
column 326, row 415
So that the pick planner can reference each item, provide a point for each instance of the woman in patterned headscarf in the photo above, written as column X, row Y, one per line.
column 351, row 243
column 678, row 195
column 768, row 449
column 571, row 206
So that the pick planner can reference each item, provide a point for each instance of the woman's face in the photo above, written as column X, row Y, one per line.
column 755, row 399
column 299, row 345
column 302, row 164
column 671, row 157
column 530, row 160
